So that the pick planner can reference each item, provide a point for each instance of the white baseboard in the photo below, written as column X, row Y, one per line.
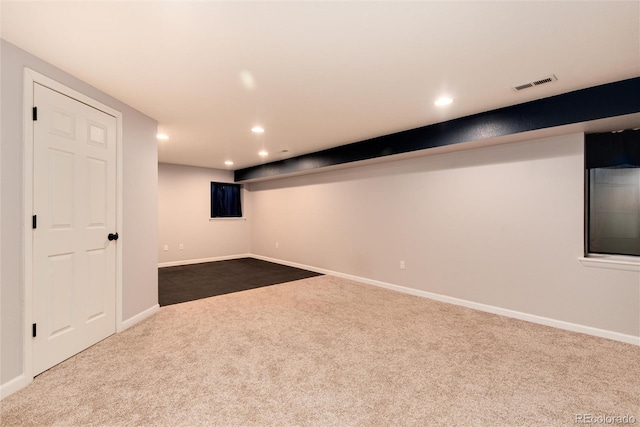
column 22, row 381
column 139, row 317
column 201, row 260
column 560, row 324
column 13, row 385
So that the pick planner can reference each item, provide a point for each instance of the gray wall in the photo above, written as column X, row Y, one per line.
column 500, row 226
column 139, row 229
column 184, row 211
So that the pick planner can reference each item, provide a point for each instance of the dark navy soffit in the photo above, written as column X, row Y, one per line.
column 598, row 102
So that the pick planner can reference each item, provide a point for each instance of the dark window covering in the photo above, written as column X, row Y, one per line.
column 611, row 160
column 605, row 150
column 225, row 200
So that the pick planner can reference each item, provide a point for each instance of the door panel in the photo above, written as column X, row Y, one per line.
column 61, row 178
column 98, row 262
column 74, row 197
column 61, row 291
column 96, row 202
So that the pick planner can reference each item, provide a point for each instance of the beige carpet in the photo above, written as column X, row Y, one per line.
column 329, row 352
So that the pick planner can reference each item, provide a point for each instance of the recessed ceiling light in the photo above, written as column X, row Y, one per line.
column 247, row 80
column 443, row 101
column 162, row 136
column 228, row 163
column 257, row 129
column 263, row 153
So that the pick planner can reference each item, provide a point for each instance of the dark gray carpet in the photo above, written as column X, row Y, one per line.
column 191, row 282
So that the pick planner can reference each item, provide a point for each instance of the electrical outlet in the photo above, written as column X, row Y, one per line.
column 402, row 265
column 166, row 247
column 181, row 246
column 277, row 245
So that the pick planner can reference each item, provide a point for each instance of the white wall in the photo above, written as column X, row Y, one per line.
column 184, row 208
column 139, row 229
column 501, row 226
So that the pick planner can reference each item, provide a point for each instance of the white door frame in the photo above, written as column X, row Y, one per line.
column 31, row 77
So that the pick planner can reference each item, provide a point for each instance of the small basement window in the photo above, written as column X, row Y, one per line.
column 226, row 200
column 612, row 162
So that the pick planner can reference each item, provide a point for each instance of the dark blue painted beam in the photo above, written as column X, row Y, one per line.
column 599, row 102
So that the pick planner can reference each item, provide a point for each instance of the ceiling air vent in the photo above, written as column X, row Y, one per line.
column 548, row 79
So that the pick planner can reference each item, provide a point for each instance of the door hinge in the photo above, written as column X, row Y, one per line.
column 34, row 221
column 35, row 113
column 33, row 330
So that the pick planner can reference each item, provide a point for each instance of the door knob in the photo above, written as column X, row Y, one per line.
column 112, row 236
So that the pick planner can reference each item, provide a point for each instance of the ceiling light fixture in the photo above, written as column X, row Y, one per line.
column 263, row 153
column 257, row 129
column 162, row 136
column 443, row 101
column 228, row 163
column 247, row 80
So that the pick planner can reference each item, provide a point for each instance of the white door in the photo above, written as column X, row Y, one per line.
column 74, row 201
